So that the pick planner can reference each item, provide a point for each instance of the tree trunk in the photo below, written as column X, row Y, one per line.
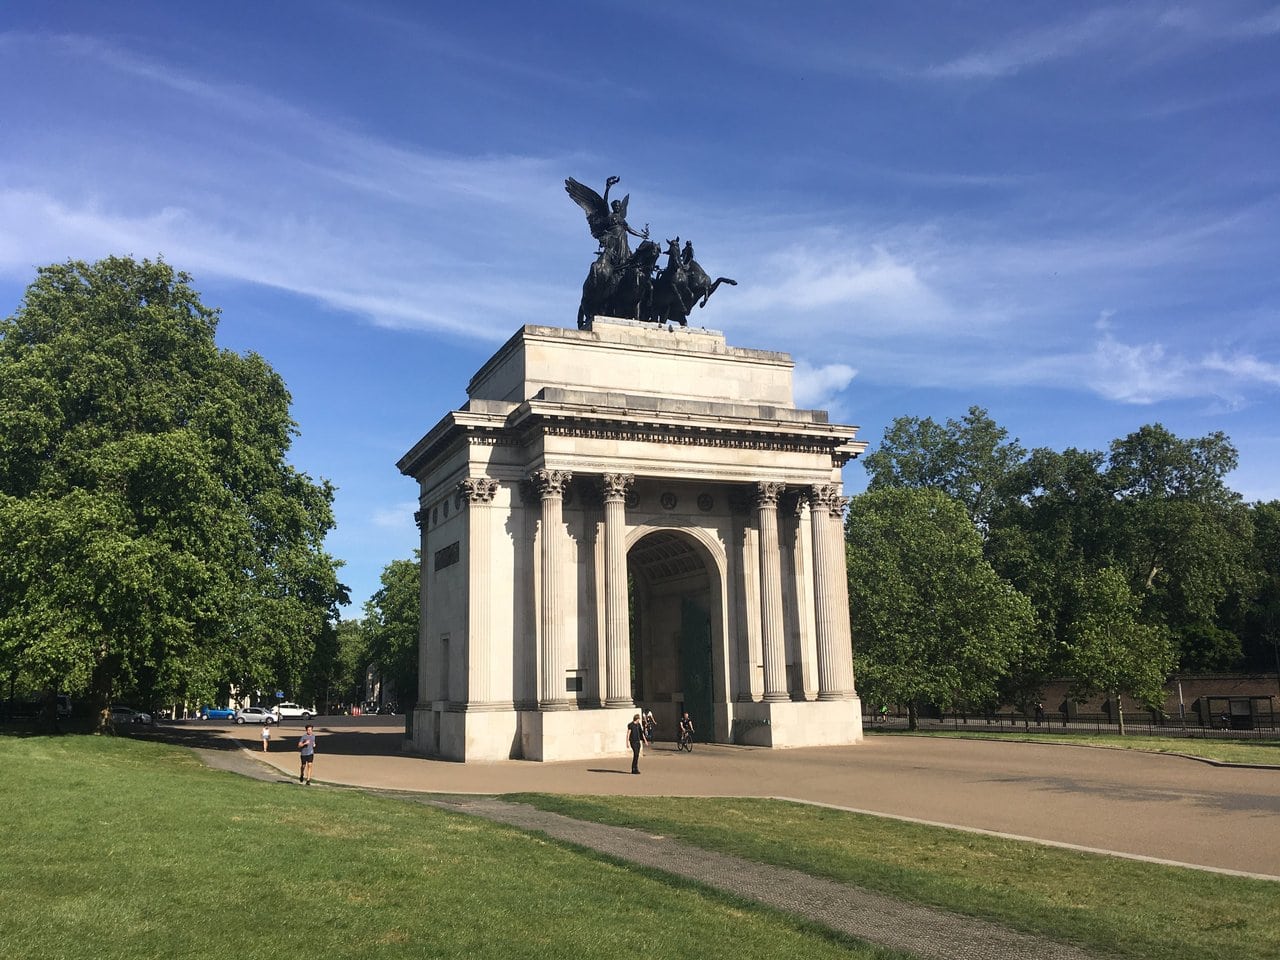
column 913, row 716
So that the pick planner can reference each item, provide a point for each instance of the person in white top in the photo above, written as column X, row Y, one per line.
column 266, row 736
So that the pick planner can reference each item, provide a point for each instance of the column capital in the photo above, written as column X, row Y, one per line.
column 614, row 486
column 826, row 497
column 476, row 490
column 550, row 483
column 767, row 492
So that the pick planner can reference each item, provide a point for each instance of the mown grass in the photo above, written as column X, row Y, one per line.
column 1223, row 751
column 1110, row 906
column 116, row 848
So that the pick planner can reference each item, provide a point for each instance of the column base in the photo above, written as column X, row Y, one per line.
column 580, row 735
column 797, row 724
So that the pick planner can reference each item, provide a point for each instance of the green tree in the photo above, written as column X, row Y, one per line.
column 340, row 674
column 1256, row 613
column 153, row 538
column 391, row 618
column 1183, row 537
column 932, row 622
column 969, row 459
column 1108, row 649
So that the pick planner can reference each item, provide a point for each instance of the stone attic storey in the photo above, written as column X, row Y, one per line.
column 623, row 516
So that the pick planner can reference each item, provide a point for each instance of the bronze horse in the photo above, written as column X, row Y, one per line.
column 681, row 284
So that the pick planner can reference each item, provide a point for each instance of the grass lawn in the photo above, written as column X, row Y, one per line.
column 116, row 848
column 1224, row 751
column 1108, row 905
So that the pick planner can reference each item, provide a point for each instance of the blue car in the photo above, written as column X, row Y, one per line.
column 217, row 713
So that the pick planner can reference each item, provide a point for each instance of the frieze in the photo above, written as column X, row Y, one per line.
column 687, row 438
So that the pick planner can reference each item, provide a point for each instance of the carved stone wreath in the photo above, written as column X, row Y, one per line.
column 668, row 500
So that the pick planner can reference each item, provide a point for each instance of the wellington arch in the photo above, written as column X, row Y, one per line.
column 625, row 516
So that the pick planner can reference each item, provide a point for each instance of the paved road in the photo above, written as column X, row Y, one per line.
column 1133, row 803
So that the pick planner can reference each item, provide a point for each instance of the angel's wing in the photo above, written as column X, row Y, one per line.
column 592, row 205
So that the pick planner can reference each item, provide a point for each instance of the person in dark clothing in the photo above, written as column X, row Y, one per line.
column 635, row 737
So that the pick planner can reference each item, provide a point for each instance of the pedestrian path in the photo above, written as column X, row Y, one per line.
column 875, row 918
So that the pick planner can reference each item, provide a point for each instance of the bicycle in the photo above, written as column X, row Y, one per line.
column 685, row 742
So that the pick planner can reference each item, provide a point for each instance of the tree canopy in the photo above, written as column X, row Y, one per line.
column 969, row 459
column 153, row 537
column 1198, row 567
column 391, row 618
column 931, row 620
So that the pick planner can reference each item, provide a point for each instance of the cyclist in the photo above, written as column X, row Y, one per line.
column 650, row 724
column 686, row 729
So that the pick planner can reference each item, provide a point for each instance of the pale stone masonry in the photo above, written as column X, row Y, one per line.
column 631, row 515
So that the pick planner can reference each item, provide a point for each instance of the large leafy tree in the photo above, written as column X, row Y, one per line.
column 153, row 537
column 1183, row 537
column 932, row 622
column 1107, row 646
column 970, row 459
column 1255, row 614
column 391, row 621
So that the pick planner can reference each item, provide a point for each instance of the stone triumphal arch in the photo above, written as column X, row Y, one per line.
column 631, row 515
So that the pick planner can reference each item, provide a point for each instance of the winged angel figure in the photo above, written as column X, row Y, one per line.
column 608, row 223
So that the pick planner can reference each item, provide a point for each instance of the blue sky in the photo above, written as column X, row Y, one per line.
column 1066, row 213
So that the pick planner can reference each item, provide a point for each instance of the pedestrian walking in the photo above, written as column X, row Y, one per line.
column 266, row 736
column 635, row 738
column 307, row 752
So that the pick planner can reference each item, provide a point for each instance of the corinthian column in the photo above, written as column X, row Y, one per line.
column 477, row 493
column 772, row 635
column 825, row 569
column 840, row 600
column 617, row 637
column 550, row 485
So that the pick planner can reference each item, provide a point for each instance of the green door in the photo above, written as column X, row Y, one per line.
column 695, row 665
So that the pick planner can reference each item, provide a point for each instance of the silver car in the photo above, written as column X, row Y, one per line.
column 122, row 714
column 254, row 715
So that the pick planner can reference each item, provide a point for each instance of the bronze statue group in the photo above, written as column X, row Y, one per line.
column 630, row 284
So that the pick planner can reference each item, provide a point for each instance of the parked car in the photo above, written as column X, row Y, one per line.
column 217, row 713
column 255, row 715
column 288, row 710
column 387, row 710
column 123, row 714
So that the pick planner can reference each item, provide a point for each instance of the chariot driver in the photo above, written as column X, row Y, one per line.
column 608, row 221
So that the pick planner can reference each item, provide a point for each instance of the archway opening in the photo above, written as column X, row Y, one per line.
column 671, row 606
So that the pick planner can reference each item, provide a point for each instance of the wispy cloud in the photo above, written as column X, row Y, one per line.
column 397, row 516
column 815, row 388
column 1036, row 47
column 1152, row 30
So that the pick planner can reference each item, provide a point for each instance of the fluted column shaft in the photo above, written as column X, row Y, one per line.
column 839, row 598
column 424, row 672
column 772, row 633
column 617, row 635
column 477, row 493
column 826, row 569
column 551, row 695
